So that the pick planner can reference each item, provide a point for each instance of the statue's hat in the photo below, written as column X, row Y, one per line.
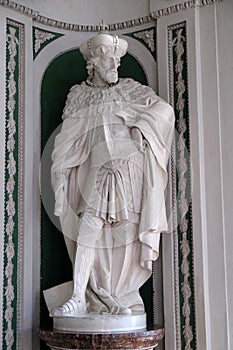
column 103, row 44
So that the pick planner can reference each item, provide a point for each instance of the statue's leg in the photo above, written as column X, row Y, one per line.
column 102, row 276
column 71, row 246
column 90, row 229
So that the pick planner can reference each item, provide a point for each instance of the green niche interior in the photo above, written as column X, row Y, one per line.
column 63, row 72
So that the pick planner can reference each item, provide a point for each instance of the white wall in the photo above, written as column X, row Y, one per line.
column 160, row 4
column 90, row 11
column 210, row 71
column 214, row 74
column 224, row 32
column 211, row 180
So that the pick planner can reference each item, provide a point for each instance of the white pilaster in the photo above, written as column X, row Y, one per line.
column 224, row 53
column 29, row 231
column 214, row 254
column 210, row 75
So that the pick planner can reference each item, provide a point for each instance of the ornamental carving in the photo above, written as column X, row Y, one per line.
column 13, row 252
column 112, row 27
column 178, row 85
column 12, row 45
column 148, row 37
column 40, row 38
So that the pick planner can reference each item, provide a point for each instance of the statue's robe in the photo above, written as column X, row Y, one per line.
column 98, row 169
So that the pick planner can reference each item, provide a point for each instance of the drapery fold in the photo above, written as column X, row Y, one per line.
column 96, row 170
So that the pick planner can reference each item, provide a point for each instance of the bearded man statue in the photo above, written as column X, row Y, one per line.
column 109, row 177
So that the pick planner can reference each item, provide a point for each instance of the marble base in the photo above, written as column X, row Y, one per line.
column 143, row 340
column 100, row 323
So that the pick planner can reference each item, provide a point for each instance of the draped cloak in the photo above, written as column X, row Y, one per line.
column 96, row 162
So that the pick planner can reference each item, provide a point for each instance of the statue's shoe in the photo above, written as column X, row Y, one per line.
column 120, row 310
column 72, row 308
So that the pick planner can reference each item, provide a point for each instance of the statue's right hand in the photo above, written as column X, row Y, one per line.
column 58, row 210
column 60, row 190
column 59, row 204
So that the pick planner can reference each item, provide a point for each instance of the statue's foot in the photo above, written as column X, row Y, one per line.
column 120, row 310
column 115, row 307
column 73, row 307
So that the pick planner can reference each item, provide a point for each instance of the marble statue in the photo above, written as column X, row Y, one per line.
column 109, row 177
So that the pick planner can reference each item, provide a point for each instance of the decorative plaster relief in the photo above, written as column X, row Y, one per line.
column 14, row 185
column 148, row 37
column 182, row 6
column 178, row 88
column 112, row 27
column 42, row 38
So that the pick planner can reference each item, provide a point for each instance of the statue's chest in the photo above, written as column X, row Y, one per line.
column 109, row 127
column 111, row 140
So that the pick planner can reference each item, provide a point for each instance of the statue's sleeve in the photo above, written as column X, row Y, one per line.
column 155, row 119
column 71, row 148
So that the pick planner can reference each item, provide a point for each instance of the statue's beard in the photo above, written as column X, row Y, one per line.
column 108, row 76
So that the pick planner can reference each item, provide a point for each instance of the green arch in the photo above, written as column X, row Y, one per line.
column 63, row 72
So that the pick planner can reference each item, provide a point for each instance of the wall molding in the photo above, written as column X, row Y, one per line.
column 37, row 17
column 14, row 165
column 181, row 199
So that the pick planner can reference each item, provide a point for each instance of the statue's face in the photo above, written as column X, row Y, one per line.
column 107, row 68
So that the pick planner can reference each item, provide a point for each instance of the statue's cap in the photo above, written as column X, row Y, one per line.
column 104, row 43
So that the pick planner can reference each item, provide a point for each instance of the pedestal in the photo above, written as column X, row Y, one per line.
column 147, row 340
column 100, row 323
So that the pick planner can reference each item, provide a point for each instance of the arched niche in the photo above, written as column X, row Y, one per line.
column 64, row 71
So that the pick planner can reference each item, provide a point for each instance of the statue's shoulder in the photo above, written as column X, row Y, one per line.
column 72, row 101
column 136, row 89
column 75, row 91
column 130, row 83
